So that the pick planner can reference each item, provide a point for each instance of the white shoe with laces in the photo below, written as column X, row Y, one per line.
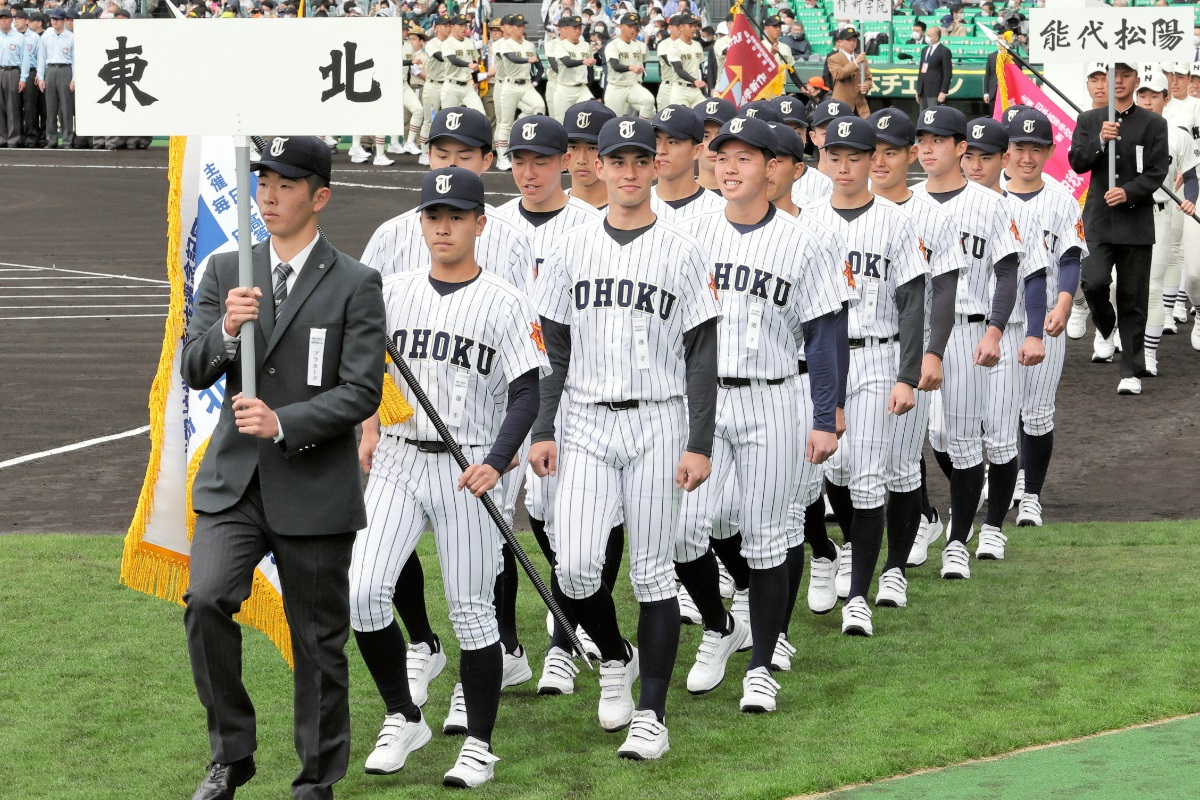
column 1152, row 363
column 647, row 739
column 1170, row 326
column 558, row 673
column 503, row 164
column 475, row 765
column 516, row 668
column 689, row 613
column 358, row 154
column 781, row 659
column 822, row 596
column 1129, row 386
column 424, row 664
column 382, row 160
column 956, row 562
column 740, row 608
column 841, row 582
column 856, row 618
column 455, row 723
column 927, row 533
column 893, row 589
column 1179, row 312
column 758, row 692
column 991, row 544
column 1103, row 349
column 713, row 655
column 1077, row 322
column 332, row 141
column 412, row 148
column 616, row 692
column 396, row 148
column 423, row 159
column 1030, row 515
column 398, row 738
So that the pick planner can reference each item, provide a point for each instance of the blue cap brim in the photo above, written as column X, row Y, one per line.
column 540, row 149
column 716, row 143
column 469, row 141
column 987, row 148
column 673, row 132
column 461, row 205
column 614, row 147
column 286, row 170
column 893, row 139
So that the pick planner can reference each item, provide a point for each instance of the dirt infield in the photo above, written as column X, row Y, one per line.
column 72, row 377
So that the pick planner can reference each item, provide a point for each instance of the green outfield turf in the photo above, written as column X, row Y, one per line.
column 1085, row 628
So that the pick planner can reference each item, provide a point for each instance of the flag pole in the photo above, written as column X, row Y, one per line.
column 245, row 265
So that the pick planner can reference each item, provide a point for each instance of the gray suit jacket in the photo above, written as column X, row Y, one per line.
column 311, row 482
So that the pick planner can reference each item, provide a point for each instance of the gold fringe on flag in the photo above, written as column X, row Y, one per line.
column 393, row 408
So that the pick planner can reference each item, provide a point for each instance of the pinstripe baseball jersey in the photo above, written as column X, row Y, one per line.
column 812, row 187
column 704, row 202
column 938, row 240
column 1185, row 154
column 628, row 54
column 1049, row 181
column 986, row 230
column 770, row 277
column 1185, row 114
column 882, row 252
column 824, row 232
column 1062, row 228
column 543, row 237
column 398, row 246
column 464, row 349
column 628, row 306
column 1034, row 255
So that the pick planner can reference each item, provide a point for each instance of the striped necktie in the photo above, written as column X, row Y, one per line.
column 281, row 275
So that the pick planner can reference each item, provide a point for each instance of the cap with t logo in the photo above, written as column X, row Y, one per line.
column 623, row 132
column 461, row 124
column 296, row 157
column 747, row 130
column 987, row 134
column 451, row 186
column 538, row 134
column 853, row 132
column 584, row 120
column 679, row 122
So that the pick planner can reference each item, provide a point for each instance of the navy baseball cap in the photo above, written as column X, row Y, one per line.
column 621, row 132
column 828, row 110
column 20, row 13
column 1030, row 125
column 749, row 130
column 716, row 109
column 461, row 124
column 853, row 132
column 942, row 120
column 57, row 13
column 584, row 120
column 538, row 134
column 791, row 109
column 1011, row 112
column 451, row 186
column 570, row 22
column 893, row 126
column 296, row 157
column 629, row 19
column 679, row 122
column 788, row 141
column 761, row 109
column 987, row 134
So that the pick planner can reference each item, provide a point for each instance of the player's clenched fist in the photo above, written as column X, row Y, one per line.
column 241, row 305
column 821, row 445
column 543, row 457
column 1032, row 351
column 902, row 399
column 931, row 373
column 987, row 353
column 693, row 470
column 478, row 479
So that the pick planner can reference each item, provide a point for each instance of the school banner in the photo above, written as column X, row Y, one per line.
column 751, row 72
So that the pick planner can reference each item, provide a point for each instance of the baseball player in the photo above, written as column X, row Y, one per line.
column 462, row 62
column 414, row 58
column 1181, row 110
column 462, row 327
column 1030, row 145
column 715, row 112
column 680, row 134
column 583, row 123
column 666, row 76
column 550, row 45
column 1021, row 343
column 515, row 93
column 625, row 58
column 435, row 73
column 1097, row 86
column 630, row 325
column 686, row 59
column 1194, row 80
column 810, row 184
column 825, row 112
column 911, row 524
column 884, row 266
column 987, row 238
column 573, row 56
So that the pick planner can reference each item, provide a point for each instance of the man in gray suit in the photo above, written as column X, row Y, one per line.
column 281, row 472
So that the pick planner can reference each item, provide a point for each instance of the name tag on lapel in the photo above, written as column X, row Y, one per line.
column 316, row 355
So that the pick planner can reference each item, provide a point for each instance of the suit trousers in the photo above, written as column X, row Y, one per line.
column 924, row 102
column 33, row 117
column 314, row 573
column 10, row 107
column 1132, row 263
column 60, row 105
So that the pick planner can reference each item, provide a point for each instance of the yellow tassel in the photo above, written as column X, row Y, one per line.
column 393, row 408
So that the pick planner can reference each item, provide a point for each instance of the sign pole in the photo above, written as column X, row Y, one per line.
column 245, row 267
column 1112, row 117
column 862, row 38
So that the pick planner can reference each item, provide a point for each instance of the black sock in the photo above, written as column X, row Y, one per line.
column 385, row 654
column 730, row 552
column 701, row 580
column 1038, row 450
column 814, row 531
column 868, row 538
column 795, row 572
column 505, row 600
column 538, row 526
column 1002, row 482
column 658, row 645
column 481, row 672
column 598, row 616
column 768, row 596
column 903, row 522
column 943, row 460
column 612, row 557
column 843, row 508
column 966, row 485
column 409, row 600
column 926, row 506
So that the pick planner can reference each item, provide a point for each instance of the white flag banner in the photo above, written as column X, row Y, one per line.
column 1124, row 35
column 863, row 10
column 240, row 77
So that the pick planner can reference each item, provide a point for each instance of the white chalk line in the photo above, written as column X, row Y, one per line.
column 82, row 296
column 85, row 316
column 12, row 462
column 84, row 272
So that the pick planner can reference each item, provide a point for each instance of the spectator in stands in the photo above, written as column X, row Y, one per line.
column 936, row 72
column 787, row 17
column 987, row 10
column 918, row 33
column 798, row 42
column 924, row 8
column 957, row 26
column 815, row 90
column 652, row 26
column 811, row 4
column 850, row 73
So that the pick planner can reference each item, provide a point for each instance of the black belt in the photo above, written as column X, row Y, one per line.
column 802, row 367
column 856, row 344
column 52, row 66
column 621, row 405
column 9, row 67
column 973, row 318
column 733, row 383
column 428, row 447
column 518, row 83
column 1157, row 206
column 458, row 83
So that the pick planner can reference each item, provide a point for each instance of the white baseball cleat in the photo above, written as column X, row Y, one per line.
column 1018, row 490
column 781, row 659
column 1196, row 334
column 1170, row 326
column 856, row 618
column 829, row 515
column 412, row 148
column 398, row 738
column 1129, row 386
column 332, row 141
column 1180, row 311
column 382, row 160
column 1151, row 363
column 396, row 148
column 927, row 533
column 358, row 154
column 1030, row 514
column 455, row 723
column 822, row 596
column 616, row 692
column 893, row 589
column 956, row 562
column 1103, row 349
column 476, row 765
column 741, row 608
column 423, row 159
column 558, row 673
column 728, row 587
column 715, row 649
column 991, row 544
column 503, row 164
column 549, row 623
column 647, row 739
column 424, row 664
column 1077, row 322
column 758, row 691
column 841, row 582
column 589, row 646
column 689, row 614
column 516, row 668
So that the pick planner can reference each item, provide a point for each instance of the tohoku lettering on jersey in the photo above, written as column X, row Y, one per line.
column 812, row 187
column 987, row 232
column 464, row 349
column 1062, row 228
column 628, row 306
column 543, row 237
column 705, row 202
column 398, row 246
column 938, row 239
column 770, row 277
column 882, row 252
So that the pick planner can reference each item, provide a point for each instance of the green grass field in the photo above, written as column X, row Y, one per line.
column 1081, row 630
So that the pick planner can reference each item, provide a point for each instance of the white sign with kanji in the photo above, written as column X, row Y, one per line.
column 863, row 10
column 1125, row 35
column 239, row 77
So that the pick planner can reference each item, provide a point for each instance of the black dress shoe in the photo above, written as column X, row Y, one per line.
column 223, row 780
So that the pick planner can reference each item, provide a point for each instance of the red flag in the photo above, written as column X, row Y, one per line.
column 751, row 72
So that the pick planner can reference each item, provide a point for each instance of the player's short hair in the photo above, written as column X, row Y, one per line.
column 315, row 183
column 626, row 152
column 476, row 212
